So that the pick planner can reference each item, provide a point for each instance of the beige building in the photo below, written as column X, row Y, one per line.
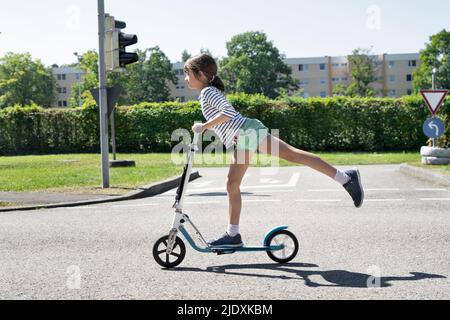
column 181, row 91
column 319, row 76
column 65, row 79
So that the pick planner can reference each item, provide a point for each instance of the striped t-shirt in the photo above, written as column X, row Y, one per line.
column 214, row 103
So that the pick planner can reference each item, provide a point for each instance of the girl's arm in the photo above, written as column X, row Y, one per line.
column 221, row 118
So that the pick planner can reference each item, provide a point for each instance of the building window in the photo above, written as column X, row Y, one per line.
column 344, row 79
column 323, row 81
column 344, row 65
column 303, row 67
column 409, row 92
column 78, row 76
column 392, row 93
column 391, row 64
column 323, row 94
column 322, row 66
column 409, row 77
column 412, row 63
column 303, row 83
column 392, row 78
column 64, row 90
column 335, row 79
column 306, row 95
column 335, row 65
column 64, row 103
column 59, row 103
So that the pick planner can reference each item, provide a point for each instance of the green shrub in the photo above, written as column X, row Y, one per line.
column 318, row 124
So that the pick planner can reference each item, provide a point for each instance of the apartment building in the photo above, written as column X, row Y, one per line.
column 65, row 79
column 318, row 76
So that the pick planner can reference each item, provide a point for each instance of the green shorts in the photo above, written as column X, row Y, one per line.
column 250, row 136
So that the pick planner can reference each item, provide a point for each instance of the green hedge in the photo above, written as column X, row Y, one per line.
column 329, row 124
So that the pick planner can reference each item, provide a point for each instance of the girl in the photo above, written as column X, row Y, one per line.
column 246, row 136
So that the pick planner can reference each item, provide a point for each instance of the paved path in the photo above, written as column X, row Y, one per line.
column 395, row 247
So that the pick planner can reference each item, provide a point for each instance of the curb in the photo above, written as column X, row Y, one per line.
column 425, row 174
column 143, row 192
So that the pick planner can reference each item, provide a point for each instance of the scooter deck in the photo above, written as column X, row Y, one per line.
column 246, row 249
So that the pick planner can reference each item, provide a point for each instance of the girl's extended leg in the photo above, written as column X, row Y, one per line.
column 350, row 180
column 276, row 147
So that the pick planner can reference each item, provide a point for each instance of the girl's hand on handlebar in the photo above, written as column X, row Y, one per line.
column 198, row 127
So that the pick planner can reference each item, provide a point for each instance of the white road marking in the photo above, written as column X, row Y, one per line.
column 381, row 200
column 203, row 202
column 292, row 183
column 343, row 190
column 135, row 205
column 202, row 184
column 318, row 200
column 272, row 191
column 260, row 200
column 431, row 189
column 435, row 199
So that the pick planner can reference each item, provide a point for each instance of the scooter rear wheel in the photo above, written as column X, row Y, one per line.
column 290, row 250
column 169, row 260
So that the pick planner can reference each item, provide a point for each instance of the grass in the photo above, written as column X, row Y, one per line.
column 81, row 173
column 6, row 204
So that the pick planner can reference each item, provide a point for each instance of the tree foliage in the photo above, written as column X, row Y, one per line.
column 435, row 55
column 362, row 64
column 24, row 81
column 254, row 65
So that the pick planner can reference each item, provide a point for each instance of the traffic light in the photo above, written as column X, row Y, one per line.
column 116, row 43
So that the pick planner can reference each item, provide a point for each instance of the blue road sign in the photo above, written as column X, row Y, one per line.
column 433, row 128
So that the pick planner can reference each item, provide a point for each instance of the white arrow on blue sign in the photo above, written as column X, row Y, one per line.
column 433, row 128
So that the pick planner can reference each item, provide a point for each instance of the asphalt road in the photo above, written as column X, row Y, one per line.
column 394, row 247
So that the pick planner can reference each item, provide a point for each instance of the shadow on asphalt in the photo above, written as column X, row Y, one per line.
column 335, row 278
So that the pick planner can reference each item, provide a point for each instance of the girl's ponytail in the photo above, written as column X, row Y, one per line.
column 218, row 83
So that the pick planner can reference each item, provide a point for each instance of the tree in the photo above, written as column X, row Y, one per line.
column 89, row 66
column 254, row 65
column 185, row 56
column 362, row 64
column 148, row 79
column 435, row 55
column 25, row 81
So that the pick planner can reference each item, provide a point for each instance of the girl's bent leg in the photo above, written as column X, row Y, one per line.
column 239, row 165
column 276, row 147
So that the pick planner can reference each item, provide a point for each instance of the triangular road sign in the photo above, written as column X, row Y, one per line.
column 434, row 99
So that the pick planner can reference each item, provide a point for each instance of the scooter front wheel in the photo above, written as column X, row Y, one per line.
column 169, row 260
column 290, row 246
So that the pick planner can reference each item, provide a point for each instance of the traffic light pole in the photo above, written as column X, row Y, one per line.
column 103, row 103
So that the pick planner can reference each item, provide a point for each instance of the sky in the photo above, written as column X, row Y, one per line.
column 52, row 30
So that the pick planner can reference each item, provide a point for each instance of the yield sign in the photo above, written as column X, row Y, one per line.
column 434, row 99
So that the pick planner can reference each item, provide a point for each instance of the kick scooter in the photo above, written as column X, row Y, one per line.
column 169, row 251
